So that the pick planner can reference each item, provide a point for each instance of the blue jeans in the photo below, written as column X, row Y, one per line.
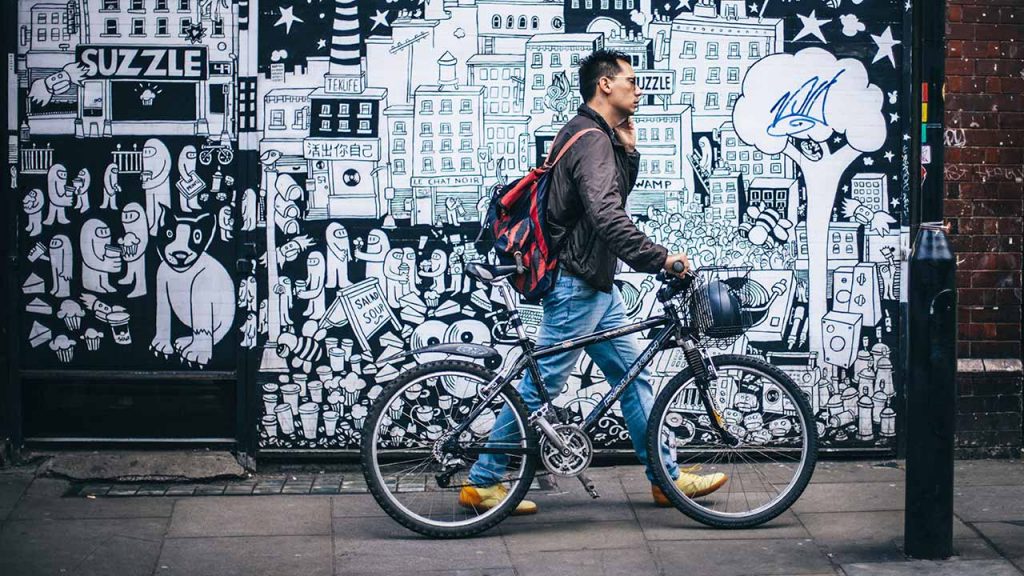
column 573, row 309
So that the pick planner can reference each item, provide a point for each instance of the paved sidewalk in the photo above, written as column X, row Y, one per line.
column 849, row 521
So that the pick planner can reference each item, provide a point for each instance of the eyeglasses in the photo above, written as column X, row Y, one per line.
column 631, row 79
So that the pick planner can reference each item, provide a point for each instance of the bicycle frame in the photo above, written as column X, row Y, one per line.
column 671, row 327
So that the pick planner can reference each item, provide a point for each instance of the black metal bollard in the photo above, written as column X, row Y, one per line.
column 931, row 396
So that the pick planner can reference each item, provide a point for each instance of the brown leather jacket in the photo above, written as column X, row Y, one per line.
column 587, row 216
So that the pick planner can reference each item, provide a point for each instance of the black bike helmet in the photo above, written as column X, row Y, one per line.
column 725, row 315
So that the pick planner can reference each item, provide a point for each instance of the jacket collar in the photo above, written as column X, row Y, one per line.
column 588, row 112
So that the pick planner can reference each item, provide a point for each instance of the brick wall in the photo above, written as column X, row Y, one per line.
column 984, row 172
column 988, row 418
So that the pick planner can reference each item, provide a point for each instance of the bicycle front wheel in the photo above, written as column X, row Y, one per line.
column 416, row 466
column 767, row 456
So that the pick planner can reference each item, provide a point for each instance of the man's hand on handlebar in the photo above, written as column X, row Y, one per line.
column 677, row 264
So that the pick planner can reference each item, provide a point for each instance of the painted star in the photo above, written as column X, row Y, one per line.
column 837, row 140
column 906, row 137
column 754, row 8
column 287, row 18
column 846, row 188
column 885, row 43
column 895, row 202
column 894, row 117
column 381, row 19
column 683, row 4
column 869, row 162
column 321, row 44
column 889, row 155
column 812, row 26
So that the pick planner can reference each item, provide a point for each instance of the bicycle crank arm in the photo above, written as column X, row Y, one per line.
column 588, row 484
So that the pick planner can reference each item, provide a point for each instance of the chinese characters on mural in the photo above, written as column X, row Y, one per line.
column 356, row 142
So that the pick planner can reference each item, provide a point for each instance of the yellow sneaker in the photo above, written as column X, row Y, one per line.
column 693, row 485
column 483, row 498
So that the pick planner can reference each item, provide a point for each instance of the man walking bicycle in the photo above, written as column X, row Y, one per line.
column 588, row 220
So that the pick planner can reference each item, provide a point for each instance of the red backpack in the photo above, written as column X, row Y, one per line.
column 517, row 218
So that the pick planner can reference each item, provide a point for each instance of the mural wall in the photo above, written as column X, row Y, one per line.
column 370, row 133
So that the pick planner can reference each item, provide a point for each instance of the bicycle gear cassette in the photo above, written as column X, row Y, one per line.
column 577, row 454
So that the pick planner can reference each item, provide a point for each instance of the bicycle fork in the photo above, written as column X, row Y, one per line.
column 704, row 374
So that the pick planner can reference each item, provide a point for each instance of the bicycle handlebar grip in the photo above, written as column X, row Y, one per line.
column 677, row 267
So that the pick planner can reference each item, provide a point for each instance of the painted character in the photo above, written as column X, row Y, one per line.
column 434, row 270
column 81, row 184
column 33, row 206
column 189, row 184
column 194, row 286
column 57, row 192
column 111, row 186
column 339, row 254
column 394, row 277
column 156, row 169
column 249, row 208
column 377, row 248
column 314, row 292
column 284, row 293
column 225, row 222
column 62, row 265
column 457, row 268
column 99, row 257
column 133, row 247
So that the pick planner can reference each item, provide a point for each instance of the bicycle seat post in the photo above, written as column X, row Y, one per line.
column 513, row 311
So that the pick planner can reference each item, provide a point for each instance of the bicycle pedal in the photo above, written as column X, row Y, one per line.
column 588, row 485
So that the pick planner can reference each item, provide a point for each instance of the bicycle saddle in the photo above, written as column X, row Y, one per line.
column 489, row 273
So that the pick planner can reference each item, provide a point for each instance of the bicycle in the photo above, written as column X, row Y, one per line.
column 733, row 414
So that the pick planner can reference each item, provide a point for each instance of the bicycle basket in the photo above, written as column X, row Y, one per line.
column 716, row 304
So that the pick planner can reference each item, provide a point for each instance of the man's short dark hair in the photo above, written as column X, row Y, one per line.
column 598, row 64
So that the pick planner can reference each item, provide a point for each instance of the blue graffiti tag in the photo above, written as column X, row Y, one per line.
column 799, row 111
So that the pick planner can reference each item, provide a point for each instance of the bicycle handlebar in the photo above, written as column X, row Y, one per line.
column 673, row 285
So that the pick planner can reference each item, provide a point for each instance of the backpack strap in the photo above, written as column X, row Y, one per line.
column 549, row 164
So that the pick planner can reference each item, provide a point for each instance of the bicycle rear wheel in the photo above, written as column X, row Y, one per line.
column 411, row 472
column 775, row 447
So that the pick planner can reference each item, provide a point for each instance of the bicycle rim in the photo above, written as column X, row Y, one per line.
column 404, row 456
column 764, row 472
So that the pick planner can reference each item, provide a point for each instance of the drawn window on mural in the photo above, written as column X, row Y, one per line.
column 161, row 5
column 538, row 105
column 534, row 23
column 466, row 105
column 510, row 22
column 643, row 166
column 186, row 24
column 734, row 75
column 161, row 27
column 138, row 5
column 755, row 50
column 399, row 166
column 618, row 4
column 522, row 22
column 713, row 75
column 688, row 98
column 466, row 146
column 589, row 4
column 467, row 164
column 689, row 49
column 733, row 97
column 745, row 156
column 399, row 145
column 776, row 168
column 689, row 75
column 447, row 165
column 538, row 60
column 604, row 4
column 575, row 4
column 428, row 164
column 277, row 120
column 446, row 145
column 325, row 109
column 496, row 21
column 465, row 128
column 299, row 120
column 41, row 35
column 670, row 134
column 712, row 50
column 426, row 107
column 641, row 134
column 325, row 125
column 669, row 166
column 446, row 128
column 629, row 4
column 711, row 102
column 428, row 146
column 111, row 5
column 365, row 109
column 556, row 59
column 446, row 106
column 745, row 169
column 109, row 27
column 492, row 107
column 655, row 167
column 484, row 73
column 734, row 50
column 655, row 136
column 538, row 80
column 138, row 27
column 758, row 156
column 400, row 127
column 758, row 169
column 730, row 156
column 183, row 5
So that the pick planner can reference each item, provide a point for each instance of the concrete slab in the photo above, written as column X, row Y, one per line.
column 671, row 524
column 851, row 537
column 1007, row 538
column 741, row 557
column 177, row 465
column 247, row 556
column 853, row 497
column 570, row 503
column 933, row 568
column 382, row 546
column 12, row 486
column 125, row 547
column 217, row 516
column 355, row 505
column 989, row 503
column 526, row 538
column 860, row 471
column 607, row 562
column 988, row 472
column 42, row 500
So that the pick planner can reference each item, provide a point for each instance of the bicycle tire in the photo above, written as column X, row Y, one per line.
column 378, row 490
column 795, row 489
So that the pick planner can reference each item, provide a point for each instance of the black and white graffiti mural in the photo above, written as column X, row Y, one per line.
column 368, row 134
